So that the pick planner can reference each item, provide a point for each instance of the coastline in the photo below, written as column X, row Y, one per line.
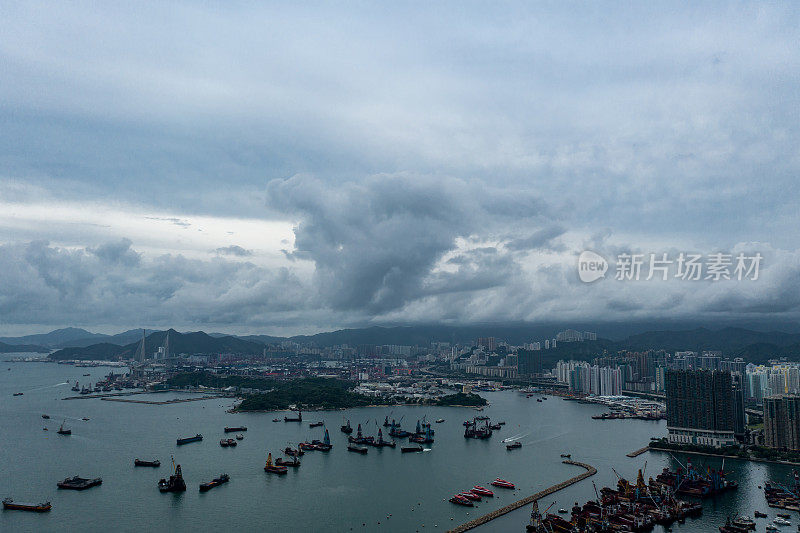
column 726, row 456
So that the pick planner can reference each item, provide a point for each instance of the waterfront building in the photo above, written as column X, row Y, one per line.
column 782, row 422
column 700, row 407
column 529, row 362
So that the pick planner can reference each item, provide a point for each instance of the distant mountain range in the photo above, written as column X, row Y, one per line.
column 75, row 343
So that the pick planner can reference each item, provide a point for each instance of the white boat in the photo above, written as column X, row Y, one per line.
column 781, row 522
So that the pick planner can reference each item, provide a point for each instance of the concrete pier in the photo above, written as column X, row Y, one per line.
column 590, row 471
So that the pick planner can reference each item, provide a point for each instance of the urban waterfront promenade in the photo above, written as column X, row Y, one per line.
column 590, row 471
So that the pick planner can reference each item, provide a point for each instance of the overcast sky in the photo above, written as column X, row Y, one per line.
column 290, row 167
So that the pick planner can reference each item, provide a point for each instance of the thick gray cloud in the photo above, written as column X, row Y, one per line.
column 443, row 162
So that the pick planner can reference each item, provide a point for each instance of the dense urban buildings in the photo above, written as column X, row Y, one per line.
column 782, row 422
column 700, row 407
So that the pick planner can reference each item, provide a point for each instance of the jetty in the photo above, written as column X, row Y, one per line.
column 590, row 471
column 638, row 452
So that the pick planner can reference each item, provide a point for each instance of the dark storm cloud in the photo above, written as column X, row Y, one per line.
column 376, row 241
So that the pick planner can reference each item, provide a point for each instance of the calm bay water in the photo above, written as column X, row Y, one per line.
column 338, row 491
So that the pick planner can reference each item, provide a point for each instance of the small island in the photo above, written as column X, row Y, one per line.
column 307, row 393
column 462, row 399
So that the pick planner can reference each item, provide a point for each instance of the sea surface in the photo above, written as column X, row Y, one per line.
column 337, row 491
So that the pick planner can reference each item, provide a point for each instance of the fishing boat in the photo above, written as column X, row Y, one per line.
column 139, row 462
column 187, row 440
column 439, row 420
column 17, row 394
column 483, row 491
column 11, row 505
column 76, row 388
column 273, row 468
column 46, row 417
column 357, row 448
column 175, row 483
column 315, row 424
column 232, row 443
column 239, row 436
column 781, row 522
column 743, row 522
column 502, row 483
column 216, row 482
column 298, row 418
column 234, row 429
column 295, row 462
column 460, row 500
column 64, row 431
column 514, row 445
column 347, row 428
column 79, row 483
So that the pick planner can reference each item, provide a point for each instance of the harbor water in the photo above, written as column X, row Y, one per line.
column 384, row 490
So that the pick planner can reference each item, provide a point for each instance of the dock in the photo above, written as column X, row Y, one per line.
column 638, row 452
column 590, row 471
column 165, row 402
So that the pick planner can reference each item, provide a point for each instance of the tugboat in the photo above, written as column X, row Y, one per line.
column 139, row 462
column 483, row 491
column 9, row 504
column 234, row 429
column 295, row 462
column 347, row 428
column 79, row 483
column 216, row 482
column 460, row 500
column 64, row 431
column 299, row 417
column 187, row 440
column 175, row 482
column 356, row 448
column 274, row 469
column 502, row 483
column 514, row 445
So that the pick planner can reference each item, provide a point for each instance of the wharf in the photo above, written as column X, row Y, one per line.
column 165, row 402
column 638, row 452
column 590, row 471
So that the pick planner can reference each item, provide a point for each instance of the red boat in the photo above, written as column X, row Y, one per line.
column 503, row 483
column 470, row 496
column 477, row 489
column 272, row 468
column 460, row 500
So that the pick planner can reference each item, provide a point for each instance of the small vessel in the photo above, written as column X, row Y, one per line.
column 770, row 527
column 439, row 420
column 315, row 424
column 272, row 468
column 483, row 491
column 234, row 429
column 292, row 452
column 187, row 440
column 514, row 445
column 11, row 505
column 138, row 462
column 759, row 514
column 502, row 483
column 783, row 515
column 64, row 431
column 539, row 400
column 347, row 428
column 781, row 522
column 295, row 462
column 17, row 394
column 276, row 419
column 239, row 436
column 85, row 375
column 566, row 455
column 410, row 449
column 743, row 522
column 232, row 442
column 175, row 483
column 223, row 443
column 46, row 417
column 85, row 419
column 298, row 418
column 460, row 500
column 502, row 423
column 562, row 511
column 79, row 483
column 357, row 448
column 75, row 388
column 470, row 496
column 216, row 482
